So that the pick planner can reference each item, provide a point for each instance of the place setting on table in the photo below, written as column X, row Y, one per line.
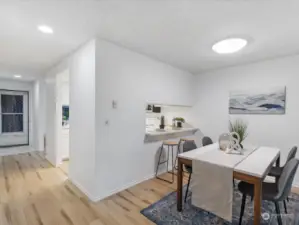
column 228, row 184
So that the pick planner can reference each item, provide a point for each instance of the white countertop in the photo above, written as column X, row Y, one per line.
column 152, row 135
column 153, row 132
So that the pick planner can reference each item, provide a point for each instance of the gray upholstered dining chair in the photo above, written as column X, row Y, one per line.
column 188, row 146
column 275, row 192
column 277, row 170
column 206, row 141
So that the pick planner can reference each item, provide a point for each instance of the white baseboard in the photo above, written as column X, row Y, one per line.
column 51, row 161
column 123, row 187
column 16, row 150
column 128, row 185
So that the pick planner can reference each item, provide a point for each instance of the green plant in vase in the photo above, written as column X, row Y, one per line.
column 240, row 127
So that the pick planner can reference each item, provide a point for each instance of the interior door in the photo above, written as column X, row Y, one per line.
column 14, row 118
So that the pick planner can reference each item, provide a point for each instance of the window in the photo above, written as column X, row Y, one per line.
column 14, row 118
column 12, row 113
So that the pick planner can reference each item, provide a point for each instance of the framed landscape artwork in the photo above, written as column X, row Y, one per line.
column 262, row 101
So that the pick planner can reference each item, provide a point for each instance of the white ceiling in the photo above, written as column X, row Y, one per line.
column 180, row 33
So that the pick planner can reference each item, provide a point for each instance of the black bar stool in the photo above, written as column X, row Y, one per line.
column 170, row 146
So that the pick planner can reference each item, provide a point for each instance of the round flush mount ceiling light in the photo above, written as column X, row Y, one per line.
column 45, row 29
column 230, row 45
column 17, row 76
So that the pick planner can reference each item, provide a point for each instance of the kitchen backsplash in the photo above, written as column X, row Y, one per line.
column 169, row 112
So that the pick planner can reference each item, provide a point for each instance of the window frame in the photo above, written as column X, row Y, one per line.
column 22, row 92
column 1, row 114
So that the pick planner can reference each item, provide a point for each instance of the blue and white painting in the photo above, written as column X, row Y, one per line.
column 263, row 101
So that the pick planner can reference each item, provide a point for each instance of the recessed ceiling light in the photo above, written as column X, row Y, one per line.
column 17, row 76
column 45, row 29
column 230, row 45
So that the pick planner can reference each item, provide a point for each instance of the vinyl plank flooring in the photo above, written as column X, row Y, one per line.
column 32, row 192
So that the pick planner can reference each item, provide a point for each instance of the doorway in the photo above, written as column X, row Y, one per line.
column 62, row 115
column 14, row 118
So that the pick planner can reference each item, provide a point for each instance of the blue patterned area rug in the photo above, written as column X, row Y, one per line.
column 164, row 212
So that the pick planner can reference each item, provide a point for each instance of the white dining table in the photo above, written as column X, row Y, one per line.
column 253, row 169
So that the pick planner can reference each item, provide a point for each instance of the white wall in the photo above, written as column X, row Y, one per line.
column 81, row 68
column 62, row 98
column 65, row 93
column 107, row 149
column 213, row 89
column 23, row 86
column 39, row 114
column 169, row 112
column 108, row 158
column 131, row 79
column 50, row 145
column 65, row 136
column 82, row 119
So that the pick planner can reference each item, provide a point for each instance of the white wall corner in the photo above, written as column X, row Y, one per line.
column 52, row 160
column 39, row 114
column 88, row 194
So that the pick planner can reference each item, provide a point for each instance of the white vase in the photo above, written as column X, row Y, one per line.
column 224, row 141
column 229, row 142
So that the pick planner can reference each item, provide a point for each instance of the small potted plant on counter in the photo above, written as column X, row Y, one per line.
column 179, row 121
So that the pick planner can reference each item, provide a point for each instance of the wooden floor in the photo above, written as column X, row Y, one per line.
column 32, row 192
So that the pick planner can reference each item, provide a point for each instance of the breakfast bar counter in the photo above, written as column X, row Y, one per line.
column 160, row 135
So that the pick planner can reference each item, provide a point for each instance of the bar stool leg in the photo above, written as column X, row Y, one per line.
column 158, row 164
column 167, row 158
column 173, row 165
column 173, row 161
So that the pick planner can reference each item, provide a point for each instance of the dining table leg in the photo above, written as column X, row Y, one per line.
column 180, row 185
column 277, row 164
column 257, row 201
